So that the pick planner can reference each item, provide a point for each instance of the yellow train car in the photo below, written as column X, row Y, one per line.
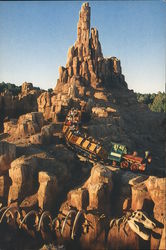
column 84, row 145
column 65, row 128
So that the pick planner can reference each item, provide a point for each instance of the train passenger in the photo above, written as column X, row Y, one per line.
column 135, row 153
column 77, row 132
column 68, row 123
column 97, row 146
column 72, row 128
column 147, row 159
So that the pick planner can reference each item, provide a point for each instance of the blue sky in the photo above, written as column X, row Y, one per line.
column 35, row 37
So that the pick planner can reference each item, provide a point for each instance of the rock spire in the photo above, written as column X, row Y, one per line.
column 83, row 26
column 85, row 59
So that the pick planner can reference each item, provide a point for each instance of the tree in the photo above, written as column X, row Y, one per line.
column 156, row 102
column 159, row 103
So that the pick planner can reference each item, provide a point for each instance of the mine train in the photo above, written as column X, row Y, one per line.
column 88, row 147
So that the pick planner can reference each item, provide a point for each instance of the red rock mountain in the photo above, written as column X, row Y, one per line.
column 85, row 59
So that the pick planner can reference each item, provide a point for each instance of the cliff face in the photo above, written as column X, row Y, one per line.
column 85, row 59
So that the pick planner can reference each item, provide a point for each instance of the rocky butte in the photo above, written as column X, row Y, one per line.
column 85, row 59
column 51, row 195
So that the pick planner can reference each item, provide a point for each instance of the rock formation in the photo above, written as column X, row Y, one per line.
column 86, row 71
column 85, row 59
column 7, row 155
column 48, row 190
column 25, row 102
column 28, row 124
column 5, row 183
column 51, row 104
column 94, row 193
column 100, row 198
column 22, row 174
column 26, row 87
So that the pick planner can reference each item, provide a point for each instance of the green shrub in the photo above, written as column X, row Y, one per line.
column 15, row 90
column 156, row 102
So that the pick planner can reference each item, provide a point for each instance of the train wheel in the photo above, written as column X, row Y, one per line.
column 134, row 167
column 124, row 164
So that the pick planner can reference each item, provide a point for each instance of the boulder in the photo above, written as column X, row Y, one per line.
column 100, row 96
column 28, row 124
column 47, row 133
column 79, row 198
column 139, row 196
column 7, row 155
column 99, row 186
column 111, row 110
column 16, row 105
column 117, row 239
column 95, row 193
column 100, row 112
column 5, row 183
column 163, row 239
column 51, row 246
column 26, row 87
column 44, row 137
column 97, row 196
column 23, row 173
column 30, row 203
column 157, row 191
column 35, row 117
column 94, row 235
column 50, row 104
column 100, row 174
column 45, row 105
column 36, row 139
column 10, row 126
column 44, row 101
column 48, row 190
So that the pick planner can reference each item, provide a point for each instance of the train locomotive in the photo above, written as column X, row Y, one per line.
column 88, row 147
column 119, row 156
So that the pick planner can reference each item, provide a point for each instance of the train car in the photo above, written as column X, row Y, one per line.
column 85, row 146
column 88, row 147
column 116, row 153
